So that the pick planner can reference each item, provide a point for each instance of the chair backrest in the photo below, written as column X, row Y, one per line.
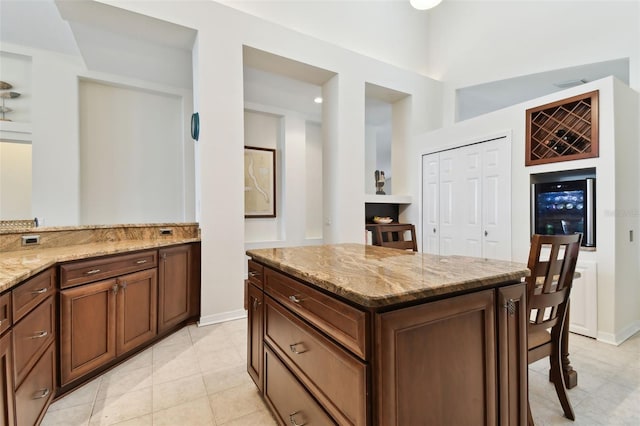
column 549, row 285
column 397, row 236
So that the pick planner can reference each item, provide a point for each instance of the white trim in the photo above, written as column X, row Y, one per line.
column 619, row 337
column 222, row 317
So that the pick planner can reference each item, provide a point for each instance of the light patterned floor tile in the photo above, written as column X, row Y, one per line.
column 206, row 367
column 77, row 415
column 86, row 394
column 234, row 403
column 176, row 392
column 123, row 407
column 118, row 382
column 193, row 413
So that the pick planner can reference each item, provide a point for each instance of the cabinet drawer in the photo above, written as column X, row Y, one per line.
column 335, row 377
column 344, row 323
column 31, row 292
column 86, row 271
column 5, row 312
column 256, row 274
column 290, row 400
column 31, row 336
column 33, row 396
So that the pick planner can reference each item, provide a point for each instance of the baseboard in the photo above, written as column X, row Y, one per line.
column 619, row 337
column 222, row 317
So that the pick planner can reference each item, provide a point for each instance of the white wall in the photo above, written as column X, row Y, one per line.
column 54, row 132
column 474, row 42
column 617, row 258
column 15, row 180
column 221, row 34
column 131, row 155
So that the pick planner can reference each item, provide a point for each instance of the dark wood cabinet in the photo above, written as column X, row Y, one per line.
column 255, row 348
column 35, row 394
column 451, row 359
column 106, row 319
column 175, row 288
column 136, row 308
column 88, row 328
column 418, row 345
column 511, row 317
column 6, row 382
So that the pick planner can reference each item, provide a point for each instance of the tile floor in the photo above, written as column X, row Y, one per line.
column 197, row 377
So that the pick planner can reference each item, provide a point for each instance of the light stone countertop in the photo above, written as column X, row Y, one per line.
column 16, row 266
column 375, row 277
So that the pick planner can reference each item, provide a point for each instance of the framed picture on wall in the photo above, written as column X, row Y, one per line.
column 259, row 182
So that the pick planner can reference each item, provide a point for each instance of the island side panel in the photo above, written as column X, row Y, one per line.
column 435, row 363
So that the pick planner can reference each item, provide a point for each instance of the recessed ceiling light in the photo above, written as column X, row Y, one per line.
column 424, row 4
column 317, row 100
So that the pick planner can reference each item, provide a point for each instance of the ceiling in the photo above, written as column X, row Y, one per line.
column 120, row 42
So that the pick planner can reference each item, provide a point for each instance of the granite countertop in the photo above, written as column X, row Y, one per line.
column 16, row 266
column 375, row 277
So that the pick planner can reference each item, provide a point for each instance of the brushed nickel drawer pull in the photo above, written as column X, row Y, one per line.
column 92, row 272
column 40, row 334
column 253, row 274
column 294, row 348
column 40, row 291
column 42, row 393
column 295, row 299
column 292, row 419
column 140, row 262
column 256, row 303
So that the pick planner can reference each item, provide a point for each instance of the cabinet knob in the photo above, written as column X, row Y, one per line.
column 123, row 285
column 434, row 230
column 486, row 233
column 295, row 350
column 40, row 334
column 292, row 419
column 115, row 288
column 42, row 393
column 295, row 299
column 256, row 303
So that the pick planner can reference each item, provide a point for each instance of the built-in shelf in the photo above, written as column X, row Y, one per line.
column 11, row 130
column 388, row 199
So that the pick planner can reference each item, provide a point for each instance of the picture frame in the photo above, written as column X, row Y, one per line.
column 259, row 182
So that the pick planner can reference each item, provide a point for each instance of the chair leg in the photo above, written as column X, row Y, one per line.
column 558, row 382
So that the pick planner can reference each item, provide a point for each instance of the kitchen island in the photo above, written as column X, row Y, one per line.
column 363, row 335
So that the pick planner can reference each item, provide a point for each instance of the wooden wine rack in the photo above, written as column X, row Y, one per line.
column 563, row 130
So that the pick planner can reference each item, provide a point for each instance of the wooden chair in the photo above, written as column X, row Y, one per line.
column 395, row 236
column 548, row 290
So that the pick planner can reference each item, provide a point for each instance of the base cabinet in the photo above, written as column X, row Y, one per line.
column 455, row 360
column 6, row 382
column 174, row 286
column 37, row 390
column 105, row 319
column 255, row 330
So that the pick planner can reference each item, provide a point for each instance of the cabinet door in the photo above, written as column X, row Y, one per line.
column 255, row 348
column 88, row 328
column 174, row 292
column 430, row 203
column 438, row 363
column 137, row 307
column 34, row 395
column 496, row 199
column 512, row 354
column 6, row 382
